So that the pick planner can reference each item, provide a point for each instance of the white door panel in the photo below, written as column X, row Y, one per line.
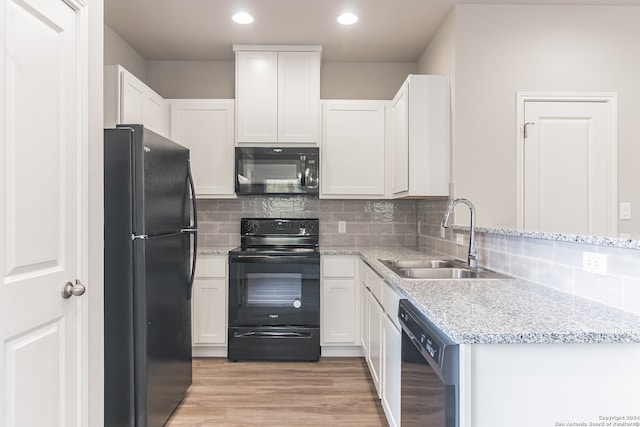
column 40, row 226
column 569, row 167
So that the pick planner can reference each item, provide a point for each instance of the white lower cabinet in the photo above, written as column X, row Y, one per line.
column 209, row 307
column 375, row 341
column 391, row 356
column 339, row 319
column 381, row 339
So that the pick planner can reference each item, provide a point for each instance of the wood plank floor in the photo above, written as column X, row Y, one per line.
column 331, row 392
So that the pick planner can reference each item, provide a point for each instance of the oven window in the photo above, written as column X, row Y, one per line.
column 272, row 290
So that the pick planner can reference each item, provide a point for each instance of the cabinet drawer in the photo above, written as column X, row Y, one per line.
column 372, row 281
column 338, row 267
column 211, row 267
column 390, row 303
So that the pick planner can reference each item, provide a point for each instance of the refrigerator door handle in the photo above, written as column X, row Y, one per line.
column 194, row 229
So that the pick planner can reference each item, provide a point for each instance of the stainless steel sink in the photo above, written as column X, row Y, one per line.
column 420, row 263
column 435, row 269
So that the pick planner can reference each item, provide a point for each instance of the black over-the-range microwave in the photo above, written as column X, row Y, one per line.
column 275, row 170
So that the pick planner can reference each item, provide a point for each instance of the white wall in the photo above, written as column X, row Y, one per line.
column 439, row 58
column 216, row 79
column 118, row 52
column 363, row 80
column 192, row 79
column 500, row 50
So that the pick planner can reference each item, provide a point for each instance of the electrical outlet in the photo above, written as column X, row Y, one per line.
column 342, row 226
column 625, row 211
column 460, row 239
column 594, row 263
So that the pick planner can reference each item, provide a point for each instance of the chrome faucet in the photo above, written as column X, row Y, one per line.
column 472, row 259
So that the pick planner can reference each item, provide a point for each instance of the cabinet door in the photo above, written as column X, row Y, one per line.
column 364, row 320
column 339, row 311
column 209, row 311
column 375, row 342
column 353, row 149
column 132, row 99
column 298, row 97
column 139, row 104
column 400, row 141
column 209, row 302
column 391, row 356
column 205, row 126
column 339, row 300
column 256, row 96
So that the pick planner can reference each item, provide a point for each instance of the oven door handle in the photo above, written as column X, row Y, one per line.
column 272, row 334
column 274, row 259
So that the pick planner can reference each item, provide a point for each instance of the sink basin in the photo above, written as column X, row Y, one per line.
column 438, row 269
column 420, row 263
column 438, row 273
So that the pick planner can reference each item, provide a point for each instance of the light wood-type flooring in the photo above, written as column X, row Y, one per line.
column 331, row 392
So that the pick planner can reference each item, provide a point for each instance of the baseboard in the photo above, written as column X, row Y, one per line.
column 209, row 351
column 341, row 351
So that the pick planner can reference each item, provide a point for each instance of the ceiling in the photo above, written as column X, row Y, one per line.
column 202, row 30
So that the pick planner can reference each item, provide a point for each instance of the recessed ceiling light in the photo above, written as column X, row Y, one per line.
column 243, row 18
column 347, row 19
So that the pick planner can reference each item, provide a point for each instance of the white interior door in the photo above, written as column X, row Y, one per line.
column 41, row 207
column 569, row 166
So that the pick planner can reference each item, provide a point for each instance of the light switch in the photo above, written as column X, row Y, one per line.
column 625, row 210
column 342, row 226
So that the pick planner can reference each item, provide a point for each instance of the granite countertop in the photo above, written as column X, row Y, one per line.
column 495, row 311
column 501, row 311
column 215, row 250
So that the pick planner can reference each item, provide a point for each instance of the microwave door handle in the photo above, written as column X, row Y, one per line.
column 303, row 168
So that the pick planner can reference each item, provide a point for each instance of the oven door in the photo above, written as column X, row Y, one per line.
column 274, row 290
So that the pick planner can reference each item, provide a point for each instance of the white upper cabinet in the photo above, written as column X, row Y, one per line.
column 353, row 149
column 129, row 101
column 420, row 142
column 205, row 126
column 277, row 94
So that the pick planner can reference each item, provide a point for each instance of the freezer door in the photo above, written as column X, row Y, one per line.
column 161, row 186
column 163, row 329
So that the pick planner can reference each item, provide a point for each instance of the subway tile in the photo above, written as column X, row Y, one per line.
column 556, row 276
column 382, row 229
column 622, row 262
column 524, row 268
column 343, row 239
column 343, row 216
column 568, row 253
column 631, row 294
column 538, row 248
column 604, row 289
column 367, row 240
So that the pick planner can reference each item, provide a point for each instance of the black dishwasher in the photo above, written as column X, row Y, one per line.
column 430, row 372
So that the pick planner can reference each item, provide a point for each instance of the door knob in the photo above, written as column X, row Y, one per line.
column 69, row 289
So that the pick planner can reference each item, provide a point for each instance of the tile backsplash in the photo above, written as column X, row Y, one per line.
column 552, row 263
column 368, row 222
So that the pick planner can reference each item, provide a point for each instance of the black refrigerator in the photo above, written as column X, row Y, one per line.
column 150, row 249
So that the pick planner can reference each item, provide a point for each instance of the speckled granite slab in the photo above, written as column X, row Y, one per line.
column 215, row 250
column 502, row 311
column 495, row 311
column 622, row 241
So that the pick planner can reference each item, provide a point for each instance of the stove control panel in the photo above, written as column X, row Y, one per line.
column 279, row 226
